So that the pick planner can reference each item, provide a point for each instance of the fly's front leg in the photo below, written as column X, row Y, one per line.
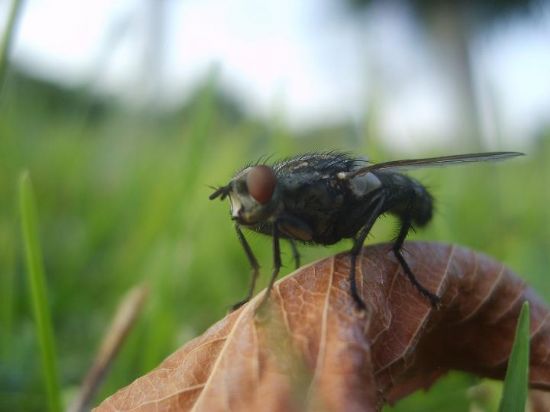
column 276, row 263
column 356, row 249
column 254, row 265
column 295, row 253
column 406, row 224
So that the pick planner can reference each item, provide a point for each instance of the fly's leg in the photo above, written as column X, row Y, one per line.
column 276, row 263
column 406, row 224
column 254, row 265
column 295, row 253
column 356, row 249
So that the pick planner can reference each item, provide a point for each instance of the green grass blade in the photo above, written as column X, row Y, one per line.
column 7, row 288
column 514, row 394
column 8, row 36
column 38, row 296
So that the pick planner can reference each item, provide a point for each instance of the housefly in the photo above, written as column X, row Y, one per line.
column 321, row 198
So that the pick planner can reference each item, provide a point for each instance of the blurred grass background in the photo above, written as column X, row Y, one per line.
column 122, row 199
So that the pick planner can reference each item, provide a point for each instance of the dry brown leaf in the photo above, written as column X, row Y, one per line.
column 315, row 353
column 538, row 401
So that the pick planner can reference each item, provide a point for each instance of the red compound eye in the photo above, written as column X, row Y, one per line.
column 261, row 182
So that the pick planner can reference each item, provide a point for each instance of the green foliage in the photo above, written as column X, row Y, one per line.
column 514, row 393
column 124, row 199
column 37, row 286
column 448, row 394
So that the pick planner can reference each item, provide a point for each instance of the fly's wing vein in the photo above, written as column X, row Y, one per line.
column 400, row 165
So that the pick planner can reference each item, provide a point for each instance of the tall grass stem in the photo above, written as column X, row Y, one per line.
column 15, row 12
column 38, row 297
column 514, row 393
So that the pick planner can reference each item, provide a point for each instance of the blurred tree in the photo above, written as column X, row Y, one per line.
column 57, row 99
column 154, row 53
column 455, row 24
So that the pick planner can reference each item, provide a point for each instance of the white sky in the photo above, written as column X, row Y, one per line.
column 297, row 57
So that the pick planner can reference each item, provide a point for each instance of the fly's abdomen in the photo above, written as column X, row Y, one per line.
column 423, row 205
column 407, row 198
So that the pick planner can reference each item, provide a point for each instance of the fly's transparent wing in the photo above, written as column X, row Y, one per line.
column 401, row 165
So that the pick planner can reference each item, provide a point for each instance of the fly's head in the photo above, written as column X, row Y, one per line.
column 253, row 194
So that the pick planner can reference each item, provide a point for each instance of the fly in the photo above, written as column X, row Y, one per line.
column 322, row 198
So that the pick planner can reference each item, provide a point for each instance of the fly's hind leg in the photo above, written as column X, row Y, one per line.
column 406, row 224
column 356, row 249
column 295, row 253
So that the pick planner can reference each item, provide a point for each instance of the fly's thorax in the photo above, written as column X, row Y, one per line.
column 254, row 195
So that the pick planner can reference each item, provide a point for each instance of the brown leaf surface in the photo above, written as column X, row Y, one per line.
column 316, row 353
